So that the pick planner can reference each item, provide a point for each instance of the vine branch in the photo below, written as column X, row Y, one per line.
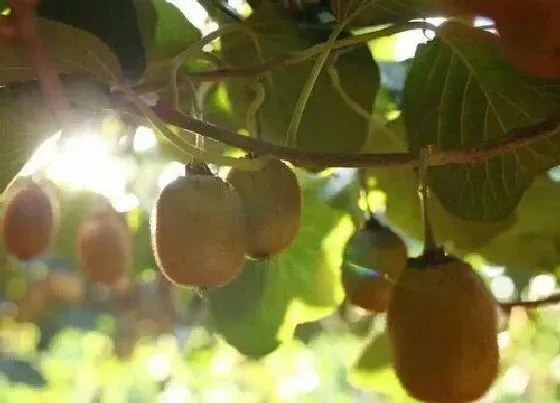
column 550, row 300
column 286, row 60
column 516, row 138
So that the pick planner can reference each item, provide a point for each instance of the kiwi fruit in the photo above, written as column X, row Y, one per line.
column 30, row 221
column 104, row 247
column 442, row 329
column 272, row 200
column 198, row 228
column 373, row 258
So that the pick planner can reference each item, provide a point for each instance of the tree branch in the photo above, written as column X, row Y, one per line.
column 550, row 300
column 521, row 137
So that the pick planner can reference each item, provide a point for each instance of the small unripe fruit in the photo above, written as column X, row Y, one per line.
column 272, row 200
column 373, row 259
column 442, row 329
column 30, row 222
column 199, row 231
column 104, row 247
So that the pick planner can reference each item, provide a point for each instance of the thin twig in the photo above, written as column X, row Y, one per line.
column 550, row 300
column 516, row 138
column 282, row 61
column 430, row 245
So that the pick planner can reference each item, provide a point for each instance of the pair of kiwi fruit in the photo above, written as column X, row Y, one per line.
column 31, row 221
column 203, row 228
column 441, row 318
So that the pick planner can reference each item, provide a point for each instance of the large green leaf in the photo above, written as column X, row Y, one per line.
column 71, row 49
column 114, row 22
column 403, row 206
column 261, row 308
column 528, row 240
column 329, row 123
column 460, row 91
column 173, row 34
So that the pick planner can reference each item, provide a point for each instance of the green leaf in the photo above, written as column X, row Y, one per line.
column 403, row 206
column 173, row 34
column 384, row 382
column 373, row 370
column 374, row 356
column 533, row 242
column 250, row 312
column 21, row 372
column 24, row 124
column 72, row 50
column 113, row 22
column 329, row 123
column 261, row 308
column 147, row 21
column 460, row 91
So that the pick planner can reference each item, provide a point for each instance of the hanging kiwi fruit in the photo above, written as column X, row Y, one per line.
column 373, row 259
column 30, row 221
column 271, row 197
column 104, row 246
column 442, row 325
column 198, row 227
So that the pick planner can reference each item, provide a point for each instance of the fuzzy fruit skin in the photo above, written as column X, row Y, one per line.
column 104, row 248
column 442, row 328
column 369, row 256
column 30, row 222
column 272, row 200
column 530, row 36
column 199, row 231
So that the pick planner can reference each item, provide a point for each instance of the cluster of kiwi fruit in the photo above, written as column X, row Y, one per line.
column 31, row 222
column 203, row 227
column 442, row 320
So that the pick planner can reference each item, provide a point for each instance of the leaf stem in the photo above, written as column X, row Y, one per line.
column 197, row 47
column 253, row 109
column 297, row 115
column 424, row 194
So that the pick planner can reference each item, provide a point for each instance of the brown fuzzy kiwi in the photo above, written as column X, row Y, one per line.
column 30, row 221
column 272, row 200
column 104, row 247
column 199, row 231
column 374, row 256
column 442, row 328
